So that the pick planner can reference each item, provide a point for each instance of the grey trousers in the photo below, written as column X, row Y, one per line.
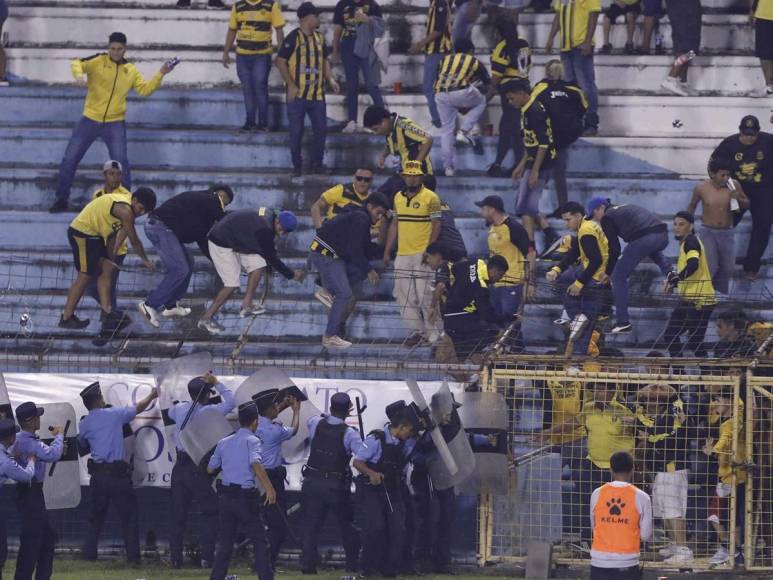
column 720, row 253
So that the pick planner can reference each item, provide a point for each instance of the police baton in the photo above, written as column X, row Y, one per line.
column 360, row 411
column 64, row 442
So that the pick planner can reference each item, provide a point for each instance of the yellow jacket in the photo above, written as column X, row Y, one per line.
column 109, row 85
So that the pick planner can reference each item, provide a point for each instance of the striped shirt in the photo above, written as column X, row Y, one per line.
column 511, row 60
column 439, row 20
column 405, row 139
column 253, row 21
column 305, row 55
column 573, row 18
column 458, row 71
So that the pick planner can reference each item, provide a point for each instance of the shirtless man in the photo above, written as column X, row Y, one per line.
column 723, row 201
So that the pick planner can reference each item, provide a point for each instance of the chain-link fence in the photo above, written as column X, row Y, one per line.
column 699, row 432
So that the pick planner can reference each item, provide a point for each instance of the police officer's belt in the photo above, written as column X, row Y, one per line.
column 113, row 467
column 235, row 489
column 320, row 247
column 308, row 471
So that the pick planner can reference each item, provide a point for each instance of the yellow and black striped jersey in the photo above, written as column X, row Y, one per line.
column 405, row 139
column 253, row 22
column 573, row 16
column 458, row 71
column 439, row 20
column 305, row 55
column 511, row 60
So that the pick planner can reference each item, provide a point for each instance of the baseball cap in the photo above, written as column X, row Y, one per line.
column 750, row 125
column 8, row 427
column 492, row 201
column 28, row 410
column 287, row 220
column 112, row 164
column 198, row 386
column 595, row 203
column 306, row 9
column 340, row 401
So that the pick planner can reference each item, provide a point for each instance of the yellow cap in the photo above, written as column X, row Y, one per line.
column 411, row 167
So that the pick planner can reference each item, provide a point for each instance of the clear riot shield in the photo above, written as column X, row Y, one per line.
column 61, row 486
column 443, row 409
column 172, row 378
column 6, row 411
column 293, row 450
column 484, row 416
column 202, row 434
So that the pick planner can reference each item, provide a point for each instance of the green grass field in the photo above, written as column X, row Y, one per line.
column 70, row 569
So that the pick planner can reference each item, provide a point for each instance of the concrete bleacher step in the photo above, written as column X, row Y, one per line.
column 195, row 148
column 371, row 321
column 23, row 188
column 74, row 26
column 721, row 75
column 629, row 115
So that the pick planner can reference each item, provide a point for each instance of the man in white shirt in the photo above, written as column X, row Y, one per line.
column 621, row 518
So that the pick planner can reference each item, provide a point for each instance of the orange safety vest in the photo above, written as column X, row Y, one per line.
column 616, row 521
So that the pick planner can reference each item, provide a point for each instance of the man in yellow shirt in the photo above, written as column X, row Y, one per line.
column 576, row 20
column 762, row 14
column 333, row 200
column 112, row 171
column 109, row 78
column 93, row 235
column 250, row 26
column 415, row 226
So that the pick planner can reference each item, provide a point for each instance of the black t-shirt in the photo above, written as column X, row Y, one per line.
column 343, row 15
column 752, row 164
column 537, row 132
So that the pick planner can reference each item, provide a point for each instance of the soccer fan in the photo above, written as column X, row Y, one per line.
column 629, row 10
column 341, row 196
column 250, row 26
column 762, row 14
column 686, row 22
column 723, row 202
column 109, row 78
column 304, row 63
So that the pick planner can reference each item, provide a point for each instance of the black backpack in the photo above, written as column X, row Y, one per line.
column 566, row 107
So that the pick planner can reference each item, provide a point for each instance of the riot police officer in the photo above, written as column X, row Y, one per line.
column 189, row 483
column 381, row 506
column 327, row 481
column 271, row 434
column 10, row 469
column 238, row 456
column 102, row 432
column 37, row 538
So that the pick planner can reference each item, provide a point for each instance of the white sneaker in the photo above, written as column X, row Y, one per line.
column 465, row 138
column 668, row 551
column 325, row 297
column 673, row 85
column 449, row 172
column 150, row 314
column 252, row 310
column 176, row 311
column 721, row 556
column 681, row 555
column 211, row 326
column 351, row 127
column 335, row 342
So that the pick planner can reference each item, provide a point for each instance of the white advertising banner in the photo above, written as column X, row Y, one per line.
column 152, row 455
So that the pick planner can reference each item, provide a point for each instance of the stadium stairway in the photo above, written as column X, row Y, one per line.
column 650, row 151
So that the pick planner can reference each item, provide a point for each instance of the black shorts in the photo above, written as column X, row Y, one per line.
column 614, row 11
column 686, row 20
column 763, row 39
column 87, row 251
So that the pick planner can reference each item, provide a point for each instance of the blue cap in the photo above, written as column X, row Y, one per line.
column 340, row 401
column 287, row 220
column 595, row 203
column 28, row 410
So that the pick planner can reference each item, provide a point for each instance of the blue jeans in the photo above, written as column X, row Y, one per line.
column 332, row 271
column 579, row 69
column 252, row 70
column 92, row 291
column 353, row 64
column 84, row 134
column 589, row 303
column 297, row 110
column 462, row 23
column 177, row 260
column 652, row 246
column 505, row 300
column 431, row 63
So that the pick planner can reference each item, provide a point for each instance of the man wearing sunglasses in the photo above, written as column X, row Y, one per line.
column 339, row 196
